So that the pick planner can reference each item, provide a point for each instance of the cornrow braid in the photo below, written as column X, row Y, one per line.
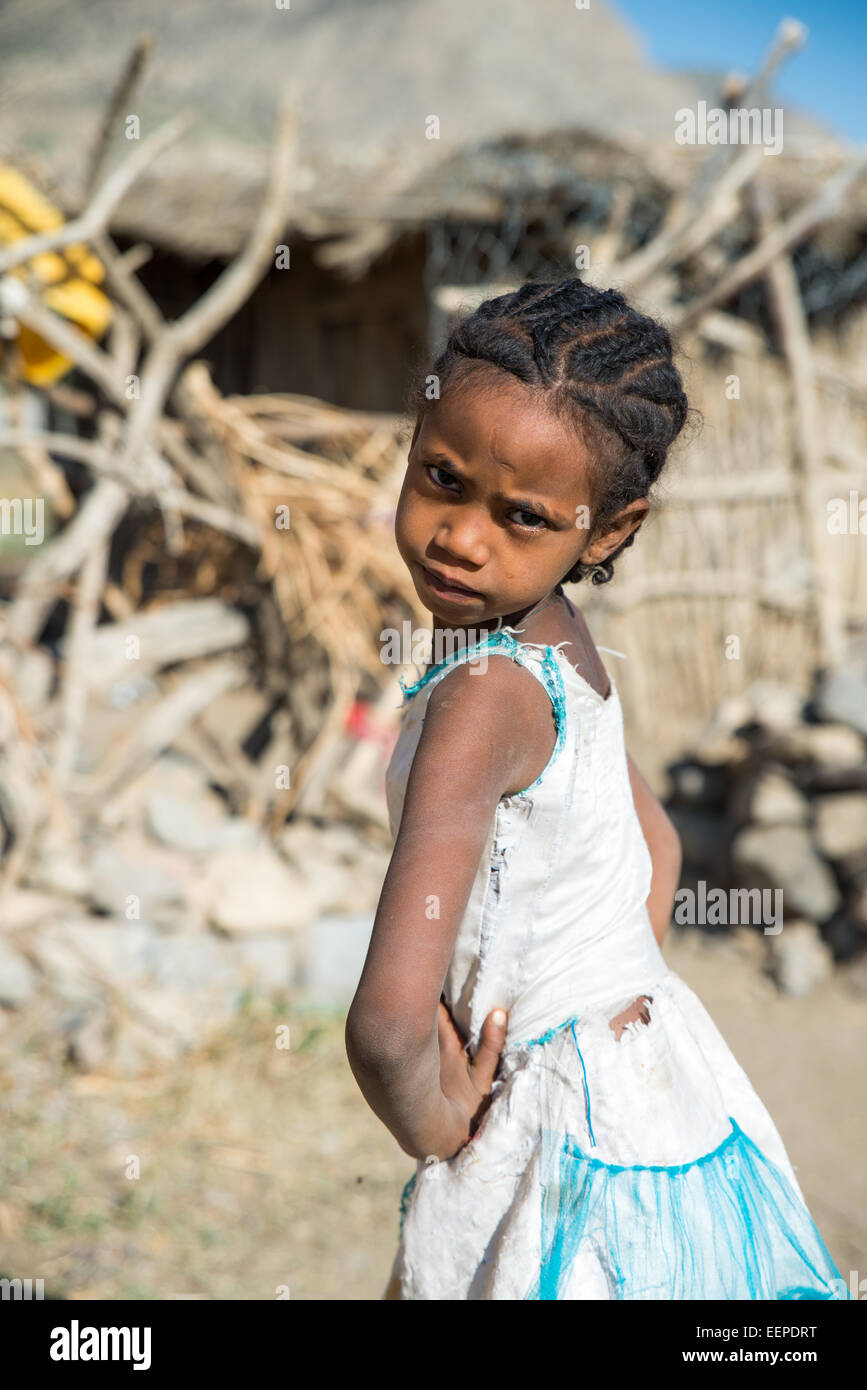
column 600, row 364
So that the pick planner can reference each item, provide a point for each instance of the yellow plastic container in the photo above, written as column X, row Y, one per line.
column 68, row 279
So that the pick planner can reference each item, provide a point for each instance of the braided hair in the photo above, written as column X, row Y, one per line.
column 603, row 367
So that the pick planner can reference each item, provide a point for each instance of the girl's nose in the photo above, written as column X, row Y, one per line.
column 464, row 539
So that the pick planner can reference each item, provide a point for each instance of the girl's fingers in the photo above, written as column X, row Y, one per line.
column 483, row 1067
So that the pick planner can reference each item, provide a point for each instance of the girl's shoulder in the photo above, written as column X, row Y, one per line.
column 499, row 674
column 493, row 711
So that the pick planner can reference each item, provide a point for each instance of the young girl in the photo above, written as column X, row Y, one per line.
column 581, row 1128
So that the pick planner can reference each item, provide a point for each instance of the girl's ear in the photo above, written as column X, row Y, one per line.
column 616, row 533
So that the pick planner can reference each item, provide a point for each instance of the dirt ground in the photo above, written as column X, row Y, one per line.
column 262, row 1170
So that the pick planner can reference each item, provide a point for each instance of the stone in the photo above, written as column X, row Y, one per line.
column 152, row 998
column 831, row 745
column 196, row 826
column 333, row 954
column 783, row 856
column 702, row 835
column 697, row 784
column 731, row 714
column 267, row 964
column 18, row 980
column 185, row 813
column 843, row 697
column 776, row 707
column 303, row 843
column 253, row 890
column 343, row 870
column 799, row 958
column 138, row 881
column 188, row 1020
column 65, row 973
column 769, row 798
column 841, row 824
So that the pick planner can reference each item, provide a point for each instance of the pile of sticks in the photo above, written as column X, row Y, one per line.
column 272, row 513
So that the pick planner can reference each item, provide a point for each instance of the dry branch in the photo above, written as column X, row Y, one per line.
column 179, row 340
column 791, row 322
column 707, row 196
column 123, row 90
column 97, row 214
column 162, row 725
column 780, row 239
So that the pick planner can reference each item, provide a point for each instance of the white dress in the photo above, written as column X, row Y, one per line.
column 644, row 1168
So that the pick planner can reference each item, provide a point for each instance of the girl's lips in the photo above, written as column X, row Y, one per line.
column 452, row 591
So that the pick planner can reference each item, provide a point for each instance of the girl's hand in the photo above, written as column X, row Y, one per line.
column 466, row 1082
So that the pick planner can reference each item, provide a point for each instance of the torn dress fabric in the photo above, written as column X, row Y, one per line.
column 644, row 1167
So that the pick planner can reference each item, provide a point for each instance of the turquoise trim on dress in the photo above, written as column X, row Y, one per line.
column 575, row 1151
column 726, row 1225
column 551, row 679
column 586, row 1086
column 548, row 1037
column 405, row 1196
column 543, row 1037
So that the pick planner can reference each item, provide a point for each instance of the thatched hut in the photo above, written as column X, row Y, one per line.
column 541, row 114
column 445, row 152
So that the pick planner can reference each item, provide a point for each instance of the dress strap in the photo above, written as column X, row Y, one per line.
column 539, row 660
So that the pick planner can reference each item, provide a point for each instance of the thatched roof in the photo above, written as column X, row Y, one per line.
column 366, row 75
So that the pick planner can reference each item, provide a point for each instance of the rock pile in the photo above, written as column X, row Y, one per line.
column 142, row 946
column 774, row 798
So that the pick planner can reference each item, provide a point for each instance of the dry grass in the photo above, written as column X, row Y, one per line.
column 259, row 1168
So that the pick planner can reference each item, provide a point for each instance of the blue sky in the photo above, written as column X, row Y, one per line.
column 826, row 77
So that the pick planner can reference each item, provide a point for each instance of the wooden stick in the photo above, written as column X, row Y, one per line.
column 22, row 304
column 123, row 283
column 103, row 461
column 206, row 317
column 162, row 725
column 714, row 184
column 96, row 215
column 84, row 618
column 685, row 238
column 100, row 511
column 790, row 36
column 791, row 321
column 123, row 90
column 780, row 239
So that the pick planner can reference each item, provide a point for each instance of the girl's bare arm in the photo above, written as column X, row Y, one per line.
column 663, row 842
column 485, row 735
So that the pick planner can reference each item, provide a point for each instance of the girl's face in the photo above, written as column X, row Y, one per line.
column 495, row 506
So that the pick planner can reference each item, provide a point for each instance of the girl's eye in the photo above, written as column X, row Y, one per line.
column 442, row 478
column 432, row 469
column 529, row 520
